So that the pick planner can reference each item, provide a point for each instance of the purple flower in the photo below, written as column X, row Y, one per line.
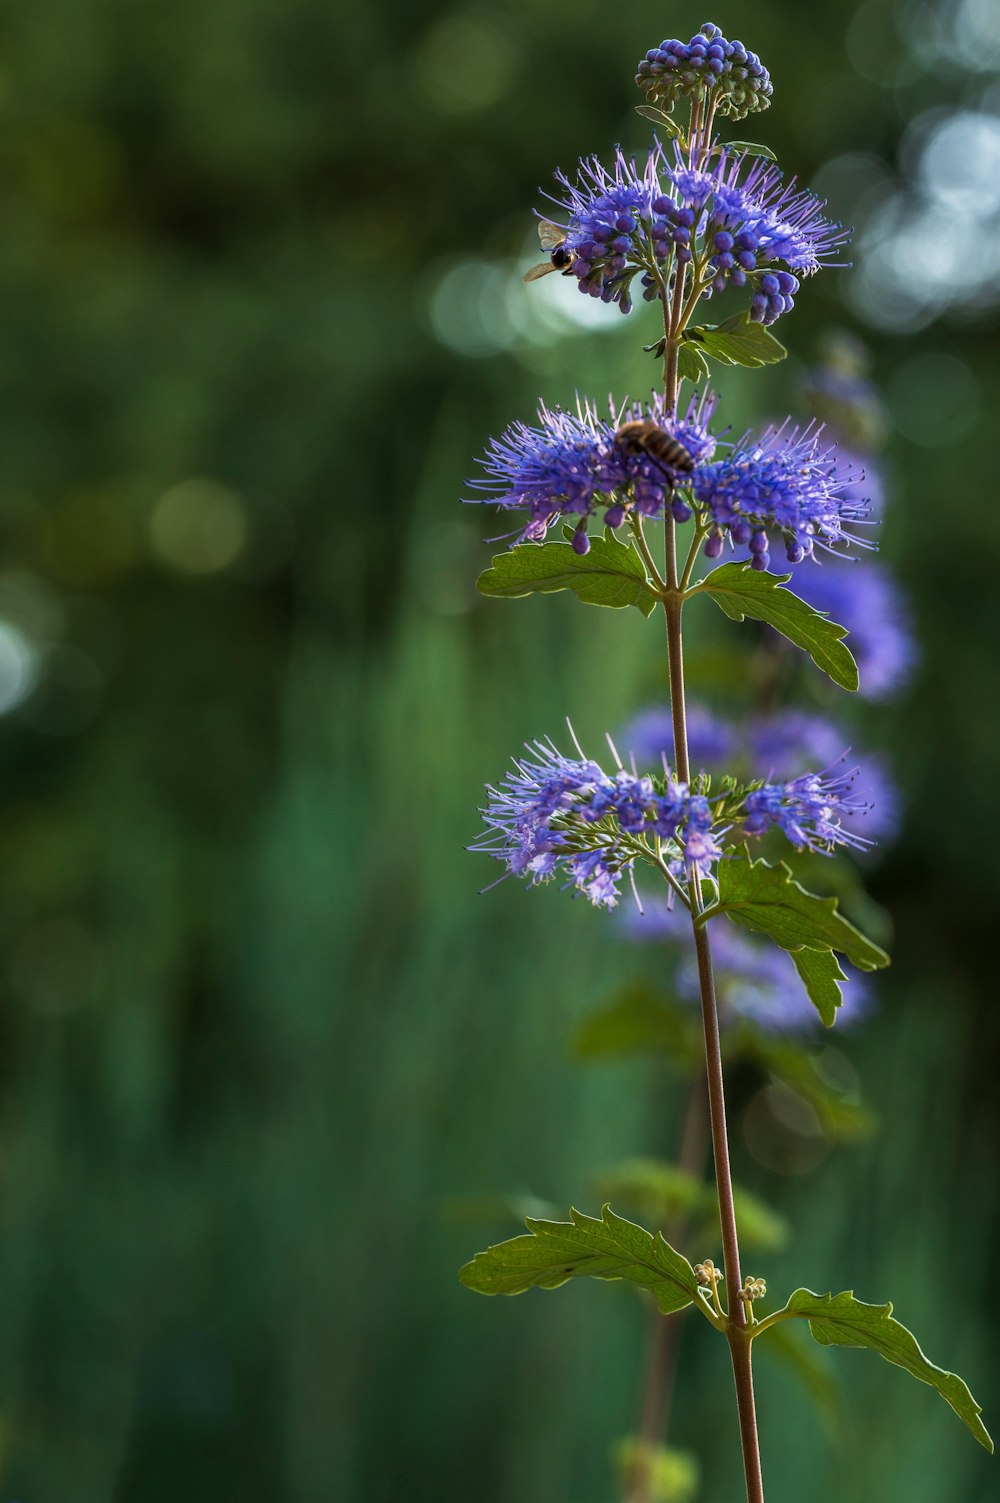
column 573, row 463
column 809, row 811
column 791, row 481
column 708, row 66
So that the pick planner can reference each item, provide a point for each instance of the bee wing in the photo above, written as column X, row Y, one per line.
column 550, row 235
column 541, row 270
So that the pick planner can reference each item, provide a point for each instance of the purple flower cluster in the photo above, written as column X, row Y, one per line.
column 809, row 811
column 572, row 463
column 558, row 815
column 790, row 481
column 735, row 213
column 734, row 79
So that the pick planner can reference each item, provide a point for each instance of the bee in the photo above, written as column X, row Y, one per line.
column 642, row 436
column 552, row 238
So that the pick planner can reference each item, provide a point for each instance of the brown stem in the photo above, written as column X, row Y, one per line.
column 665, row 1331
column 738, row 1343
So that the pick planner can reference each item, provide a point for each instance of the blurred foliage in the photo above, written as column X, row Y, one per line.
column 256, row 1023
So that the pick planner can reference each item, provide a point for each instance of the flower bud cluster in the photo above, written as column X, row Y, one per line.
column 706, row 66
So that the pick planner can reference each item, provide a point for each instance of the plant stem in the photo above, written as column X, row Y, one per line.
column 739, row 1345
column 666, row 1330
column 673, row 605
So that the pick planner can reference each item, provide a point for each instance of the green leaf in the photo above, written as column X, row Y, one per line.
column 737, row 341
column 814, row 1372
column 822, row 976
column 691, row 363
column 740, row 591
column 766, row 899
column 752, row 149
column 611, row 1248
column 638, row 1021
column 666, row 123
column 611, row 574
column 842, row 1320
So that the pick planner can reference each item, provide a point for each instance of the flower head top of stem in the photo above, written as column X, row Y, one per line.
column 707, row 68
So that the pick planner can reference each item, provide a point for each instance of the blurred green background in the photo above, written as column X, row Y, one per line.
column 260, row 303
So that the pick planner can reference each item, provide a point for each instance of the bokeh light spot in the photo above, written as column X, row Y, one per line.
column 198, row 526
column 465, row 63
column 18, row 667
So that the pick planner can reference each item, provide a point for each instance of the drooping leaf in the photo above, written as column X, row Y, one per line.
column 666, row 122
column 768, row 900
column 814, row 1372
column 842, row 1320
column 638, row 1020
column 750, row 148
column 610, row 1248
column 737, row 341
column 611, row 574
column 741, row 591
column 822, row 977
column 691, row 363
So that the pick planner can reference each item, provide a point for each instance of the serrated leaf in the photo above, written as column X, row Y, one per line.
column 668, row 125
column 611, row 574
column 610, row 1248
column 737, row 341
column 741, row 591
column 767, row 900
column 822, row 977
column 691, row 363
column 842, row 1320
column 814, row 1372
column 638, row 1020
